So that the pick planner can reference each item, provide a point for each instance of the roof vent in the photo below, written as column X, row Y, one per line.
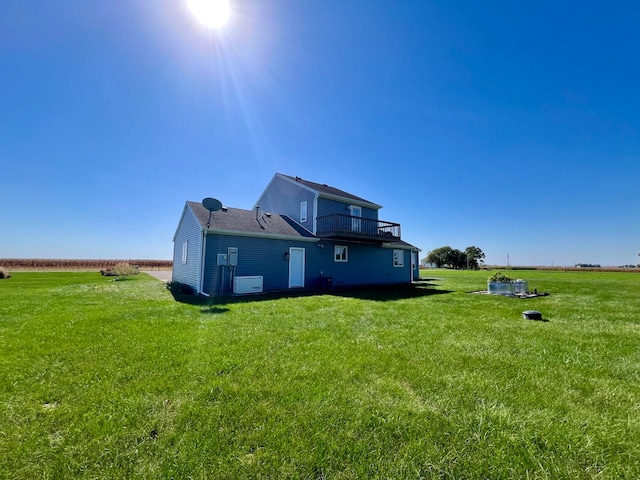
column 225, row 209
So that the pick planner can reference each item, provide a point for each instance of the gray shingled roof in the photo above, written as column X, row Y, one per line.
column 240, row 220
column 323, row 188
column 402, row 244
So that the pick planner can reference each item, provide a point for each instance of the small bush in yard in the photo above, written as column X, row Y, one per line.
column 499, row 277
column 120, row 270
column 4, row 273
column 180, row 288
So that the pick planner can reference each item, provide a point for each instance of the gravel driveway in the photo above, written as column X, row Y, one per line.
column 164, row 275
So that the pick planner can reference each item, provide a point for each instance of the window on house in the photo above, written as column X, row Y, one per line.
column 303, row 212
column 341, row 253
column 185, row 246
column 398, row 258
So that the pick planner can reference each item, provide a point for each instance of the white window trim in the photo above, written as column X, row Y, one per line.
column 355, row 210
column 346, row 254
column 185, row 249
column 398, row 258
column 303, row 211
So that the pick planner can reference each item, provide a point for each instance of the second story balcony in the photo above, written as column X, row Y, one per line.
column 348, row 227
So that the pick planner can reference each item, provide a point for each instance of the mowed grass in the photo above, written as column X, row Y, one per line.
column 115, row 379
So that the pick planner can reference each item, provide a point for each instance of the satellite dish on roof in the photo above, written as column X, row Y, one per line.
column 213, row 205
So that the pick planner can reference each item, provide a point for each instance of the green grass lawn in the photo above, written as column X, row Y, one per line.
column 115, row 379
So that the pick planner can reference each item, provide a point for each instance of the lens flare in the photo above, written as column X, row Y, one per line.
column 211, row 13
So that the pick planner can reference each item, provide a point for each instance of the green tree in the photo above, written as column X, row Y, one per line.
column 474, row 257
column 446, row 255
column 439, row 256
column 457, row 259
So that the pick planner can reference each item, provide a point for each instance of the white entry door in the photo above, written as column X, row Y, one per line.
column 296, row 267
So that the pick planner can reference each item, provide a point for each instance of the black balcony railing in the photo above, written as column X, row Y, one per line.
column 343, row 226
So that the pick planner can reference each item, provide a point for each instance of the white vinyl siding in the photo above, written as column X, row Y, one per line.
column 186, row 269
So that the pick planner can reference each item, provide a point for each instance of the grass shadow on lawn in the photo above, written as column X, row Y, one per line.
column 208, row 305
column 382, row 293
column 386, row 293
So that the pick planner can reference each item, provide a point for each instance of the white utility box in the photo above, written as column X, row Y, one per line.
column 247, row 284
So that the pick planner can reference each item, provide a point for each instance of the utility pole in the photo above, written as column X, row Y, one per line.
column 507, row 259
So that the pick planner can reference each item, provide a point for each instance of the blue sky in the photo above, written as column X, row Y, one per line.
column 511, row 126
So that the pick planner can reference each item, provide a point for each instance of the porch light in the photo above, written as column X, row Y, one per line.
column 287, row 255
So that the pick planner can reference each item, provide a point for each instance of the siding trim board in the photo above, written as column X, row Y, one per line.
column 314, row 214
column 396, row 246
column 203, row 264
column 233, row 233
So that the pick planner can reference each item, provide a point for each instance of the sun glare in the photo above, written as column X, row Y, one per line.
column 210, row 13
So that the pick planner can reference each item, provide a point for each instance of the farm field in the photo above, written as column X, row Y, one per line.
column 58, row 264
column 116, row 379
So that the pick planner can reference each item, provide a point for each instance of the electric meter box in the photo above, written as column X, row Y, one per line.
column 222, row 260
column 232, row 253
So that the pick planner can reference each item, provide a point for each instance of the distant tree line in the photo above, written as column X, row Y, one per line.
column 80, row 264
column 472, row 257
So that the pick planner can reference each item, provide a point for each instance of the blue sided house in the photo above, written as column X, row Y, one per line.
column 300, row 234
